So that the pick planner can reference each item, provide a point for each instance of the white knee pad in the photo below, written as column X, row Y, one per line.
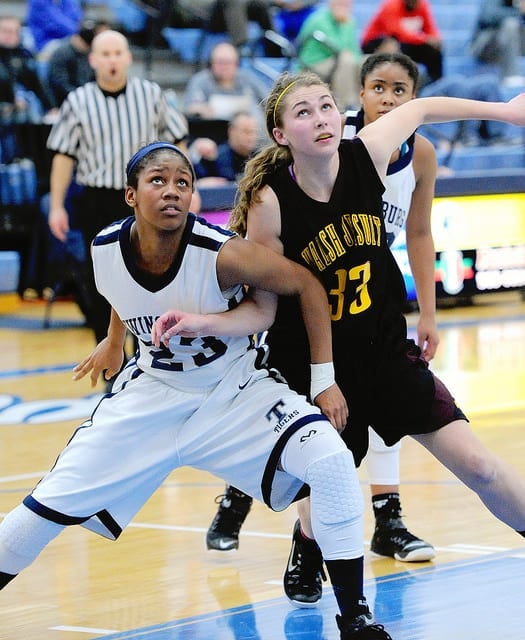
column 23, row 535
column 382, row 462
column 336, row 506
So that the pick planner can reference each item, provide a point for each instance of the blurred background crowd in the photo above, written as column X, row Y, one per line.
column 209, row 65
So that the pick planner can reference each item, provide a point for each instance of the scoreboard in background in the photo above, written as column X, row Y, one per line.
column 480, row 245
column 478, row 225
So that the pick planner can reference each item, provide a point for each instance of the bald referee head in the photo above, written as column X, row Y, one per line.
column 110, row 59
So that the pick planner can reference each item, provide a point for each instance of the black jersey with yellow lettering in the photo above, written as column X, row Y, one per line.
column 384, row 378
column 344, row 243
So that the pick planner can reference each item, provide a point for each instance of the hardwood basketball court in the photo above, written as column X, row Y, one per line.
column 159, row 582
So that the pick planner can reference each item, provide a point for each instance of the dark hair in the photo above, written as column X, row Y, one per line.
column 377, row 59
column 89, row 29
column 149, row 152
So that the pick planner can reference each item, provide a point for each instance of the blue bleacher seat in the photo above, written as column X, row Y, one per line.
column 128, row 14
column 268, row 69
column 466, row 65
column 363, row 12
column 194, row 45
column 9, row 271
column 461, row 15
column 486, row 158
column 184, row 41
column 456, row 41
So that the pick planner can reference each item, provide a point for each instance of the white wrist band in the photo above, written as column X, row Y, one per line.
column 322, row 376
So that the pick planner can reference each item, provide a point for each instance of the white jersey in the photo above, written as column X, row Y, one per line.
column 139, row 300
column 208, row 403
column 400, row 180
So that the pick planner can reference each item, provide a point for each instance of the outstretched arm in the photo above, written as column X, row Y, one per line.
column 384, row 136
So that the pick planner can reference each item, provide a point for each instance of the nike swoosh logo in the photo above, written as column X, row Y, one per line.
column 292, row 567
column 224, row 545
column 243, row 386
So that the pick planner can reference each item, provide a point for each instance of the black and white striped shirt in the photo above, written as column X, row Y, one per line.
column 102, row 131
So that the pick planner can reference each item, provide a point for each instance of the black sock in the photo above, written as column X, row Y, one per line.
column 346, row 577
column 381, row 499
column 5, row 578
column 387, row 507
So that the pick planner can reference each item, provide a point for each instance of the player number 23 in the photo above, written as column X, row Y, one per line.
column 361, row 302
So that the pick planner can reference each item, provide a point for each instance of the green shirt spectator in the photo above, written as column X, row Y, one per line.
column 328, row 44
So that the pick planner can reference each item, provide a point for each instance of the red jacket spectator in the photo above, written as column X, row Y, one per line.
column 395, row 19
column 412, row 25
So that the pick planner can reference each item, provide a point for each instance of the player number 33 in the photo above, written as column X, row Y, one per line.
column 361, row 301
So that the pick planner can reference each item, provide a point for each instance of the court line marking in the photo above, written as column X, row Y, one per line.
column 83, row 629
column 460, row 548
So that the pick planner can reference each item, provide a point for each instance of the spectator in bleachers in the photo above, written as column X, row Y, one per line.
column 20, row 86
column 498, row 37
column 328, row 44
column 50, row 20
column 68, row 66
column 219, row 164
column 229, row 16
column 222, row 89
column 412, row 24
column 290, row 16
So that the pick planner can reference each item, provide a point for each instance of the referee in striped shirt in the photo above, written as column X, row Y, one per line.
column 100, row 126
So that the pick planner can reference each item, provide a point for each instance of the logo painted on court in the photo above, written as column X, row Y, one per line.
column 14, row 410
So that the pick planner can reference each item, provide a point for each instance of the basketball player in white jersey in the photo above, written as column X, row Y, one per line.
column 197, row 393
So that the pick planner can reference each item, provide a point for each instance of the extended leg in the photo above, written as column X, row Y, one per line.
column 498, row 485
column 23, row 535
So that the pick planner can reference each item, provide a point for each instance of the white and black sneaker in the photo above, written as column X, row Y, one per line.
column 304, row 571
column 391, row 538
column 223, row 534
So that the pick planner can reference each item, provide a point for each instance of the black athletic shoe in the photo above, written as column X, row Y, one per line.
column 400, row 544
column 223, row 534
column 392, row 539
column 304, row 571
column 359, row 625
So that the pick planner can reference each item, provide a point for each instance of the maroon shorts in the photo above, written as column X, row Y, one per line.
column 397, row 395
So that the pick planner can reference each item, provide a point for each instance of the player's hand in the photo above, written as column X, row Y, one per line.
column 107, row 358
column 179, row 323
column 516, row 110
column 332, row 403
column 427, row 338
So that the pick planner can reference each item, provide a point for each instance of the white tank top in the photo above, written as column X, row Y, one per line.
column 190, row 284
column 400, row 181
